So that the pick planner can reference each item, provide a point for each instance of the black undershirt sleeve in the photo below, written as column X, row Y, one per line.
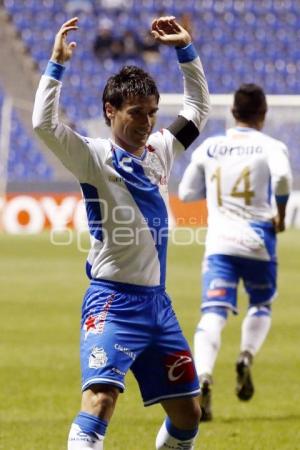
column 184, row 130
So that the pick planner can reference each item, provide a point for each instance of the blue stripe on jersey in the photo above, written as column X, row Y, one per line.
column 88, row 270
column 266, row 231
column 55, row 70
column 93, row 210
column 186, row 54
column 148, row 199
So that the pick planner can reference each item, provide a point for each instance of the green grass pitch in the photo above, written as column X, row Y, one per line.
column 41, row 288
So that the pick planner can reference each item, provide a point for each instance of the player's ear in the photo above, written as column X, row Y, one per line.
column 110, row 110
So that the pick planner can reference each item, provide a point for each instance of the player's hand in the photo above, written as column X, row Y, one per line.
column 167, row 31
column 279, row 224
column 62, row 50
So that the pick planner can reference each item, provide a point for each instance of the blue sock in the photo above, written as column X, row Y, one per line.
column 181, row 435
column 90, row 424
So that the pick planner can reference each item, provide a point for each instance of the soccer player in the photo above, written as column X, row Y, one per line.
column 246, row 177
column 127, row 317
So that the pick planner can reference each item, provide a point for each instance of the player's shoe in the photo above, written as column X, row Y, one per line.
column 205, row 397
column 244, row 384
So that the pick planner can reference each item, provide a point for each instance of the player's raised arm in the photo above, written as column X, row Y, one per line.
column 73, row 150
column 196, row 104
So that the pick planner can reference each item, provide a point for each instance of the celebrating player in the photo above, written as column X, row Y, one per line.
column 239, row 173
column 127, row 318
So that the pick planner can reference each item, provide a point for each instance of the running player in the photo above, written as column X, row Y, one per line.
column 240, row 173
column 127, row 317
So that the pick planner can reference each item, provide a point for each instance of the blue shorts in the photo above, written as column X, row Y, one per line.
column 134, row 327
column 221, row 275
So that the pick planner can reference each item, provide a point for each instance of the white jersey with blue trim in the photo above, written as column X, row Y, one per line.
column 126, row 196
column 239, row 173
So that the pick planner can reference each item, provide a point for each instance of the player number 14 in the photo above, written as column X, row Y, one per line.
column 243, row 178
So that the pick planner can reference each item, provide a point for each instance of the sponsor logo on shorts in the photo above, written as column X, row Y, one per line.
column 125, row 350
column 98, row 358
column 118, row 371
column 216, row 293
column 180, row 367
column 95, row 323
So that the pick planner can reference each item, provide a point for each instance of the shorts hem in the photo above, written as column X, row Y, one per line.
column 102, row 380
column 265, row 302
column 168, row 397
column 216, row 303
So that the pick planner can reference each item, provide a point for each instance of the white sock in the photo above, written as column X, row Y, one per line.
column 79, row 440
column 165, row 441
column 207, row 342
column 255, row 328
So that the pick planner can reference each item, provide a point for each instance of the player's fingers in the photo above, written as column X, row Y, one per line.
column 176, row 26
column 70, row 22
column 158, row 30
column 72, row 45
column 166, row 18
column 66, row 30
column 157, row 35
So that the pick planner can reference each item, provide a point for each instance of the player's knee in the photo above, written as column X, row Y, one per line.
column 220, row 311
column 100, row 400
column 213, row 320
column 260, row 310
column 189, row 418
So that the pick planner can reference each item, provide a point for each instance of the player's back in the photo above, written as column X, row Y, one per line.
column 240, row 169
column 238, row 173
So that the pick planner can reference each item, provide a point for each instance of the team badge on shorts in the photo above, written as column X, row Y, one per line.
column 98, row 358
column 180, row 367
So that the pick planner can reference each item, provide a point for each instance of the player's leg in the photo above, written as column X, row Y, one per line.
column 260, row 284
column 207, row 342
column 180, row 428
column 106, row 355
column 89, row 427
column 219, row 285
column 166, row 374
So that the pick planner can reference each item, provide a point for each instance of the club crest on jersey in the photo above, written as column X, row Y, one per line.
column 95, row 323
column 180, row 367
column 98, row 358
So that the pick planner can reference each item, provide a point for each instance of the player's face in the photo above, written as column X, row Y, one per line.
column 133, row 123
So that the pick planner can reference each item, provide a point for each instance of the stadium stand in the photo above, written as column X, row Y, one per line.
column 239, row 41
column 26, row 162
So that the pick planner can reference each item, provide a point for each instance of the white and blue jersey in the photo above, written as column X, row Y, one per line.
column 127, row 318
column 241, row 174
column 126, row 196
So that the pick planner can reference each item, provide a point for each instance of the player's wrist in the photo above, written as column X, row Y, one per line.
column 55, row 70
column 187, row 53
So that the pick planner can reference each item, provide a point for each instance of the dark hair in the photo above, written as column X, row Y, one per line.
column 130, row 82
column 250, row 103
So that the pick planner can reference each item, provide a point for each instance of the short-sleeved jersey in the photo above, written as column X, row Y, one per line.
column 126, row 196
column 239, row 174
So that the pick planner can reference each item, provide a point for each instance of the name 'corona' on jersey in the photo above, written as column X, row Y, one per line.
column 221, row 149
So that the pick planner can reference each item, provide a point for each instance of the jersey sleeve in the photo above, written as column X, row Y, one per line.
column 73, row 150
column 280, row 170
column 192, row 186
column 196, row 104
